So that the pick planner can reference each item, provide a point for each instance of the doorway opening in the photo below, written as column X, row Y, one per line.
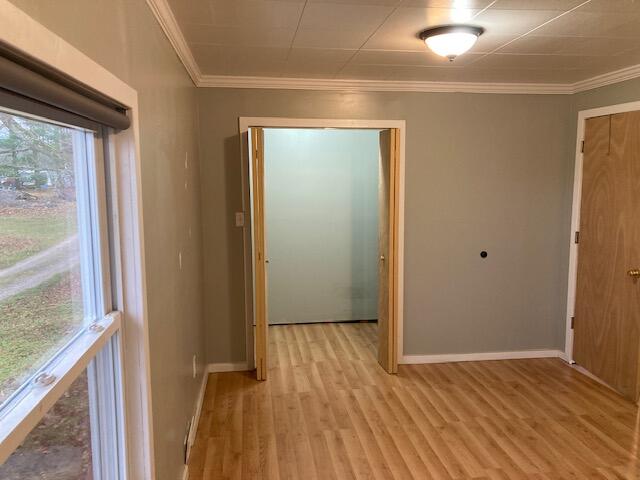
column 321, row 225
column 325, row 218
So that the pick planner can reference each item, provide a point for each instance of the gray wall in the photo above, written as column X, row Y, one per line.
column 483, row 172
column 623, row 92
column 125, row 38
column 321, row 215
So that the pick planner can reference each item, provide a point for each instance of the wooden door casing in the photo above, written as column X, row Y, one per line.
column 387, row 247
column 259, row 253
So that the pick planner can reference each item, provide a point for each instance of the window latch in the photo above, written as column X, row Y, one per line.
column 96, row 328
column 44, row 379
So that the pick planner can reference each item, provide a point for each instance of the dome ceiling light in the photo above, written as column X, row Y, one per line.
column 451, row 40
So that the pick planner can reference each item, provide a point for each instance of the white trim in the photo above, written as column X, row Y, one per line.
column 281, row 122
column 19, row 30
column 227, row 367
column 198, row 410
column 583, row 115
column 135, row 340
column 479, row 357
column 598, row 81
column 193, row 431
column 283, row 83
column 185, row 473
column 23, row 417
column 243, row 124
column 164, row 15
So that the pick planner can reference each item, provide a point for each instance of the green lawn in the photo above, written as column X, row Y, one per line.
column 24, row 233
column 33, row 324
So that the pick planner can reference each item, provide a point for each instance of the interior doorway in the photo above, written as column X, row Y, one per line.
column 321, row 221
column 606, row 318
column 323, row 266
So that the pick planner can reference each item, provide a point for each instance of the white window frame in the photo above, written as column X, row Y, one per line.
column 20, row 31
column 100, row 355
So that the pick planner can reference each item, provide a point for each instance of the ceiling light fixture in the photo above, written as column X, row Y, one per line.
column 451, row 40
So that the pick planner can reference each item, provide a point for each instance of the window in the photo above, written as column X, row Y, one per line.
column 41, row 299
column 59, row 330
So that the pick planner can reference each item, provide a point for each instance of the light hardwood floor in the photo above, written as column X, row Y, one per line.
column 329, row 411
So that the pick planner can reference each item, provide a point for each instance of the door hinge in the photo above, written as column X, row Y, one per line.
column 576, row 238
column 582, row 147
column 573, row 320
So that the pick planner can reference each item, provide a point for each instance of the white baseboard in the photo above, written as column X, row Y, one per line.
column 196, row 420
column 210, row 368
column 476, row 357
column 196, row 415
column 566, row 358
column 227, row 367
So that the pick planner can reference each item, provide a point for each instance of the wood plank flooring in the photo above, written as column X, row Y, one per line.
column 328, row 411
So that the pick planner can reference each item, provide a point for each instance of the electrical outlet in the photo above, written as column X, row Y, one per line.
column 195, row 367
column 180, row 260
column 239, row 219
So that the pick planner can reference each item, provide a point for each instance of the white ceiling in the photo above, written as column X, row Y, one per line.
column 526, row 41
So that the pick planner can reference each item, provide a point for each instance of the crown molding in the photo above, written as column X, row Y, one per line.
column 610, row 78
column 223, row 81
column 164, row 15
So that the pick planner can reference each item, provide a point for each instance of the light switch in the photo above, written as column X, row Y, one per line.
column 239, row 219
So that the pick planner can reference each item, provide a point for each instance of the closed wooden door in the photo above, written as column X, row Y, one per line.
column 607, row 311
column 387, row 248
column 259, row 252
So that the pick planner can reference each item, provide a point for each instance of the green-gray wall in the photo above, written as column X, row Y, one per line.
column 321, row 216
column 623, row 92
column 124, row 37
column 483, row 172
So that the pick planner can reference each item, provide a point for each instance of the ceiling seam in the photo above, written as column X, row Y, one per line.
column 530, row 31
column 485, row 9
column 368, row 38
column 295, row 34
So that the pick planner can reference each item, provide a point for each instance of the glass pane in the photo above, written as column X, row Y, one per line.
column 41, row 301
column 59, row 448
